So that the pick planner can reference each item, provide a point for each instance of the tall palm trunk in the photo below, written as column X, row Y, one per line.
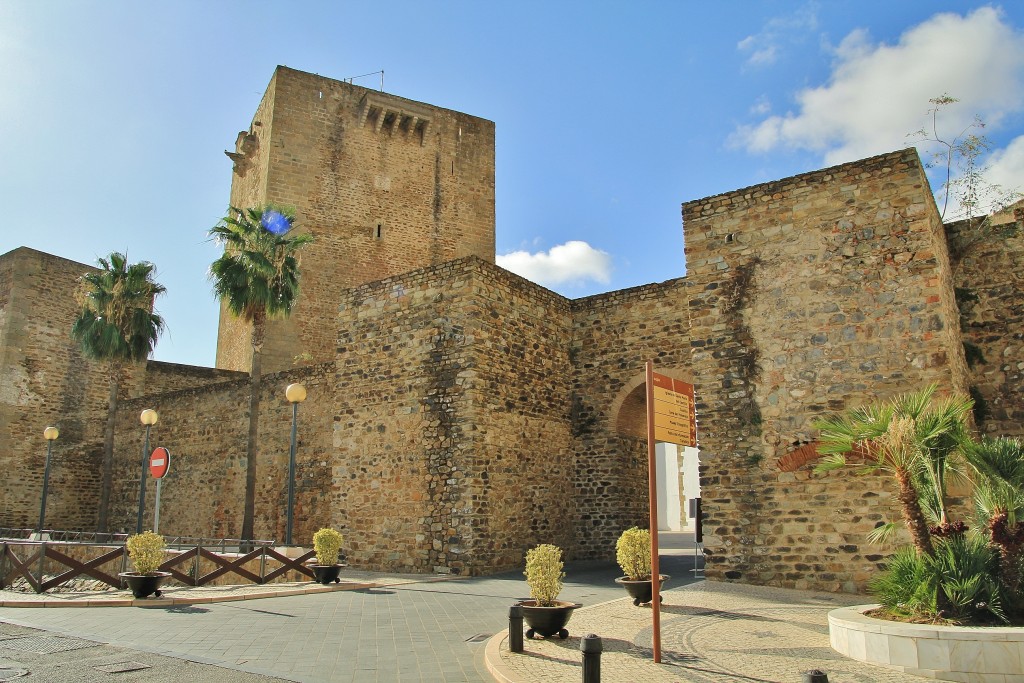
column 107, row 466
column 1010, row 542
column 918, row 525
column 913, row 515
column 249, row 513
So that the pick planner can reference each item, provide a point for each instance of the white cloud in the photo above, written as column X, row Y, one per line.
column 572, row 262
column 764, row 46
column 877, row 93
column 762, row 106
column 1006, row 166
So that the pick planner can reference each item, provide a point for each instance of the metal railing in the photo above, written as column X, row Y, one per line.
column 95, row 538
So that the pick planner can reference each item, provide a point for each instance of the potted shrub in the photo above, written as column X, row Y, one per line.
column 545, row 614
column 146, row 551
column 327, row 544
column 633, row 553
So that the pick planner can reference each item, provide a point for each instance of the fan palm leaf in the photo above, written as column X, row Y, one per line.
column 913, row 438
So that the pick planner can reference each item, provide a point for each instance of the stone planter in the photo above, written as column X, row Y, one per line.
column 642, row 591
column 946, row 653
column 547, row 621
column 326, row 573
column 144, row 585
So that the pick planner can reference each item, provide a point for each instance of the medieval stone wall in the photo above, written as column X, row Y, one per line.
column 520, row 490
column 452, row 438
column 205, row 429
column 384, row 184
column 161, row 377
column 989, row 278
column 811, row 295
column 614, row 335
column 44, row 380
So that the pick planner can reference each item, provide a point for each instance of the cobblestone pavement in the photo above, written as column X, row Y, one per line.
column 710, row 633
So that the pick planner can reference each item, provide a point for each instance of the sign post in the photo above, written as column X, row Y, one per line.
column 671, row 418
column 159, row 464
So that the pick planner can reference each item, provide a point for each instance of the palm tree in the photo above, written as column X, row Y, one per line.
column 914, row 438
column 258, row 278
column 117, row 324
column 999, row 498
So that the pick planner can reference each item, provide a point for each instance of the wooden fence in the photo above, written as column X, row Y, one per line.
column 46, row 565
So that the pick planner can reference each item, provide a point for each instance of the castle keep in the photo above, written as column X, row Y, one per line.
column 458, row 414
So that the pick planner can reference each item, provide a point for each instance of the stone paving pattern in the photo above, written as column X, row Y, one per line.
column 710, row 633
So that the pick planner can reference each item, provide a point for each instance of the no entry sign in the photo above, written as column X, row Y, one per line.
column 159, row 462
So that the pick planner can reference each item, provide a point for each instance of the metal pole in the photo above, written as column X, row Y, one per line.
column 515, row 628
column 652, row 495
column 156, row 512
column 591, row 647
column 291, row 476
column 46, row 482
column 142, row 485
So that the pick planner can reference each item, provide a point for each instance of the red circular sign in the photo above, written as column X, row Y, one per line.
column 159, row 462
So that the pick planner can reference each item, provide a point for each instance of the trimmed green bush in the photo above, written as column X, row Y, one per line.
column 327, row 544
column 633, row 553
column 544, row 573
column 146, row 551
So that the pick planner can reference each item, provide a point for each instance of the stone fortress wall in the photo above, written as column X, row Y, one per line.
column 812, row 295
column 458, row 414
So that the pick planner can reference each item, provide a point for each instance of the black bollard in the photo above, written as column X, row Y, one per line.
column 815, row 676
column 515, row 628
column 591, row 647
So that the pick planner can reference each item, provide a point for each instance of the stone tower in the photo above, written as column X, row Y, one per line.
column 385, row 185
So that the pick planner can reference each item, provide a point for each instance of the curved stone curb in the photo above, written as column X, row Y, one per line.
column 492, row 658
column 948, row 653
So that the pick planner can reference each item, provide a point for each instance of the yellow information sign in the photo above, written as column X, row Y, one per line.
column 675, row 418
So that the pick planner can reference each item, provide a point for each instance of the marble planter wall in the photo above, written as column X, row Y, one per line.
column 947, row 653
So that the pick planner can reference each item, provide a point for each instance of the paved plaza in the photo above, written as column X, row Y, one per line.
column 385, row 627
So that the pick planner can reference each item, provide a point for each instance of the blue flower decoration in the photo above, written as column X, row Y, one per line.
column 275, row 222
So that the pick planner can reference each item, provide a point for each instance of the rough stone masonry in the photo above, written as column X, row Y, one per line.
column 458, row 414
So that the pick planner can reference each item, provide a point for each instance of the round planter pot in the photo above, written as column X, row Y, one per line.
column 327, row 573
column 144, row 585
column 642, row 591
column 547, row 621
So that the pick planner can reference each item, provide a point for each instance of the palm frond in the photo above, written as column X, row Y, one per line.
column 258, row 273
column 883, row 534
column 116, row 320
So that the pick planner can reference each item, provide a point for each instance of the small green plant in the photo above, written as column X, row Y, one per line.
column 544, row 573
column 327, row 544
column 147, row 551
column 633, row 553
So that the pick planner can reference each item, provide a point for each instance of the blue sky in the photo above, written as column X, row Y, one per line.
column 114, row 115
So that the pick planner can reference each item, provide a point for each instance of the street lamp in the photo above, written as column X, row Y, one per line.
column 50, row 434
column 296, row 394
column 148, row 418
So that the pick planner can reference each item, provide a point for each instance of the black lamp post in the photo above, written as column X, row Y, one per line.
column 50, row 434
column 296, row 394
column 148, row 418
